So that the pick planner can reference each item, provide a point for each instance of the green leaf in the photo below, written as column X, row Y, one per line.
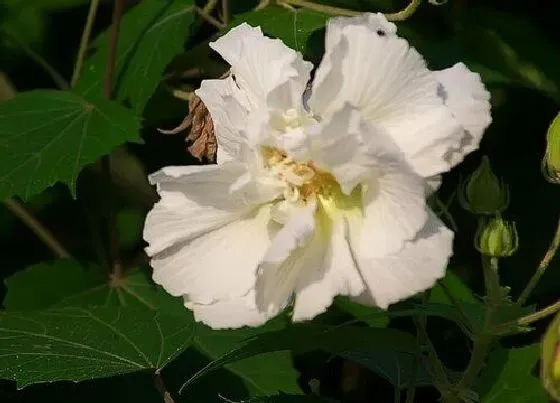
column 508, row 378
column 293, row 27
column 48, row 136
column 373, row 316
column 151, row 34
column 83, row 343
column 283, row 398
column 309, row 337
column 395, row 367
column 66, row 283
column 263, row 374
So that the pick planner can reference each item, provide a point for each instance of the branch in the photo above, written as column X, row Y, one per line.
column 160, row 386
column 42, row 233
column 552, row 249
column 84, row 42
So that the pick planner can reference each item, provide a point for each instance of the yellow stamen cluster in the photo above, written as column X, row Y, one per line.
column 303, row 179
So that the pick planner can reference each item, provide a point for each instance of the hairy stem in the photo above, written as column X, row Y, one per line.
column 38, row 229
column 552, row 249
column 114, row 258
column 84, row 42
column 57, row 78
column 543, row 313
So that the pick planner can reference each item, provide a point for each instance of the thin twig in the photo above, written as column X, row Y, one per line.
column 57, row 78
column 114, row 258
column 160, row 386
column 406, row 13
column 209, row 7
column 84, row 41
column 552, row 249
column 209, row 19
column 225, row 12
column 38, row 229
column 543, row 313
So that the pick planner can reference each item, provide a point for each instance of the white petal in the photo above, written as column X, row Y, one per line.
column 469, row 102
column 374, row 22
column 281, row 266
column 229, row 116
column 391, row 86
column 413, row 269
column 337, row 275
column 262, row 65
column 228, row 314
column 219, row 265
column 194, row 200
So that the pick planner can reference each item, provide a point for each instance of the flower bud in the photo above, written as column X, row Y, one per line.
column 551, row 160
column 483, row 193
column 497, row 238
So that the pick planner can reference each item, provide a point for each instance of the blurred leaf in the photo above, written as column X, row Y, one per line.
column 151, row 34
column 457, row 288
column 309, row 337
column 25, row 23
column 550, row 359
column 84, row 343
column 371, row 315
column 395, row 367
column 263, row 374
column 509, row 45
column 508, row 378
column 283, row 398
column 48, row 136
column 293, row 27
column 130, row 224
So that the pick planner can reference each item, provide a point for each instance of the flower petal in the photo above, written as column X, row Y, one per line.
column 229, row 116
column 261, row 65
column 284, row 260
column 415, row 268
column 337, row 275
column 228, row 314
column 219, row 265
column 391, row 86
column 468, row 100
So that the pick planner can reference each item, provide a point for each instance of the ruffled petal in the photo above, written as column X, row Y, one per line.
column 219, row 265
column 228, row 314
column 262, row 66
column 337, row 275
column 282, row 265
column 413, row 269
column 391, row 86
column 468, row 100
column 229, row 116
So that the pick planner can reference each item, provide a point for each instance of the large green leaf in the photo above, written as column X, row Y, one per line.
column 151, row 34
column 508, row 377
column 291, row 26
column 48, row 136
column 309, row 337
column 84, row 343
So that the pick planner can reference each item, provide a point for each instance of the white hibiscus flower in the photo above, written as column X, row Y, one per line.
column 316, row 198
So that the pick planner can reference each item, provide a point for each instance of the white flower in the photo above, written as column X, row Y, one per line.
column 315, row 199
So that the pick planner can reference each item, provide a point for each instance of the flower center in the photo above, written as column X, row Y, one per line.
column 303, row 180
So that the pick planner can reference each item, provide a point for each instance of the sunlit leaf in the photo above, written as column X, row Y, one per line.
column 150, row 35
column 49, row 136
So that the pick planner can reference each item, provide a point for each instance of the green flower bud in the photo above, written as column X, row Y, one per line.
column 551, row 160
column 550, row 359
column 497, row 238
column 483, row 193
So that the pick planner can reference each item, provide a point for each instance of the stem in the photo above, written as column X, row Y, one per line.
column 42, row 233
column 209, row 19
column 160, row 386
column 480, row 350
column 209, row 7
column 543, row 313
column 322, row 8
column 552, row 249
column 57, row 78
column 84, row 42
column 491, row 279
column 397, row 396
column 225, row 12
column 114, row 258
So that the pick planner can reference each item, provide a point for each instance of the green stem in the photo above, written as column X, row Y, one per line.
column 38, row 229
column 405, row 13
column 480, row 350
column 225, row 12
column 208, row 18
column 397, row 397
column 543, row 313
column 490, row 266
column 84, row 42
column 37, row 58
column 552, row 249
